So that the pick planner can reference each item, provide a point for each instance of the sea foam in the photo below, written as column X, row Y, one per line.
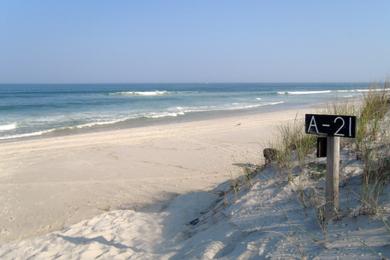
column 97, row 123
column 330, row 91
column 141, row 93
column 8, row 127
column 304, row 92
column 38, row 133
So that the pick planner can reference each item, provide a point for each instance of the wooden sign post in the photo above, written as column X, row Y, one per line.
column 332, row 176
column 332, row 127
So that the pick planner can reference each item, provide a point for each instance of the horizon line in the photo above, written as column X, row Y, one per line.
column 186, row 82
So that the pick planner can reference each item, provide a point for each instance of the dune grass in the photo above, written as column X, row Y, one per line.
column 372, row 142
column 374, row 107
column 292, row 144
column 373, row 145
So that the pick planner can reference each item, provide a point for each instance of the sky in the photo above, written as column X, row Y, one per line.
column 98, row 41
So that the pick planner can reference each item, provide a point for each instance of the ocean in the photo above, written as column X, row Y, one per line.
column 31, row 110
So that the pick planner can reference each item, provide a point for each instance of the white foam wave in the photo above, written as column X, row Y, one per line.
column 248, row 106
column 304, row 92
column 234, row 106
column 97, row 123
column 141, row 93
column 163, row 114
column 361, row 90
column 354, row 90
column 372, row 89
column 274, row 103
column 8, row 127
column 185, row 110
column 258, row 98
column 329, row 91
column 38, row 133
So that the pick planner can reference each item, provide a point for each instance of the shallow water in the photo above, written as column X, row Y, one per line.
column 28, row 110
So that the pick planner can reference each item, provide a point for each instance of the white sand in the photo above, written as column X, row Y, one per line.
column 51, row 183
column 264, row 220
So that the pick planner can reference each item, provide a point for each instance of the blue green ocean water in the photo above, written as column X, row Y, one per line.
column 28, row 110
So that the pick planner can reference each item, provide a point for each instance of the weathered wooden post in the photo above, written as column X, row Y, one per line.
column 332, row 176
column 332, row 127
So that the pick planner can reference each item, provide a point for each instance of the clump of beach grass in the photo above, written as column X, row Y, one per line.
column 372, row 143
column 342, row 108
column 291, row 141
column 373, row 109
column 376, row 174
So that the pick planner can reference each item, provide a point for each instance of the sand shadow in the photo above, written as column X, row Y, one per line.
column 246, row 165
column 98, row 239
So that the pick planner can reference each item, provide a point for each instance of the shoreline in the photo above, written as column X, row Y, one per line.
column 167, row 120
column 50, row 183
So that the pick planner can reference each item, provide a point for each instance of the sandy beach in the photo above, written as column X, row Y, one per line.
column 50, row 183
column 111, row 195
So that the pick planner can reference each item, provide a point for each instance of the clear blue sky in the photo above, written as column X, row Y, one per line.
column 194, row 41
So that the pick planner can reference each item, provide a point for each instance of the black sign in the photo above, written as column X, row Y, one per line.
column 330, row 125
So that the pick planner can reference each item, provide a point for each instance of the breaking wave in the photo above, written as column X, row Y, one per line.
column 8, row 127
column 329, row 91
column 361, row 90
column 37, row 133
column 304, row 92
column 233, row 106
column 141, row 93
